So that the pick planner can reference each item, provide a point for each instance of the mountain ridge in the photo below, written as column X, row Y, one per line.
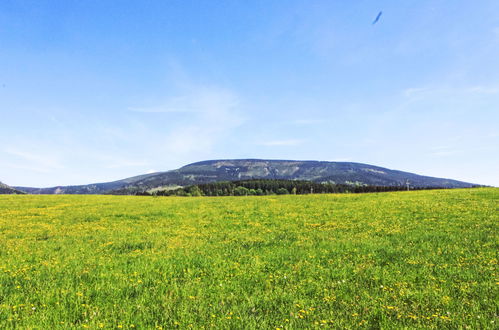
column 239, row 169
column 8, row 190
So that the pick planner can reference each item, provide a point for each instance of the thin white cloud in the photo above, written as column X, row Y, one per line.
column 346, row 159
column 444, row 153
column 307, row 121
column 126, row 163
column 196, row 99
column 177, row 104
column 282, row 143
column 483, row 89
column 440, row 148
column 422, row 92
column 35, row 160
column 495, row 31
column 131, row 144
column 18, row 166
column 160, row 109
column 213, row 113
column 415, row 91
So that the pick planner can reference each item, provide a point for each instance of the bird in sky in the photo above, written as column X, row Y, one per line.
column 377, row 17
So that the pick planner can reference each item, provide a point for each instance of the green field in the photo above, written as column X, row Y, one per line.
column 390, row 260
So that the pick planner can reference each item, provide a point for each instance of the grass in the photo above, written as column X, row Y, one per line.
column 391, row 260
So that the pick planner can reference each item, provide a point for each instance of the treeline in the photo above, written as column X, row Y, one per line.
column 271, row 187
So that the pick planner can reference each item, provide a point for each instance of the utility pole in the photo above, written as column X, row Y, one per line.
column 407, row 183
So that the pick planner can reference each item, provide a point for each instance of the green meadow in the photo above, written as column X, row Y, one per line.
column 423, row 259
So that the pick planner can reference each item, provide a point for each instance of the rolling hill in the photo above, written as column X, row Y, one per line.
column 4, row 189
column 241, row 169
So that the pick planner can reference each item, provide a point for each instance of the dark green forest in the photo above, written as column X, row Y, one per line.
column 269, row 187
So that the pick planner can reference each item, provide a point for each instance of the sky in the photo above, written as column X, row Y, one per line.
column 95, row 91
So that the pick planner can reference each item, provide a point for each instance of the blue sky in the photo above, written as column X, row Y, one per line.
column 94, row 91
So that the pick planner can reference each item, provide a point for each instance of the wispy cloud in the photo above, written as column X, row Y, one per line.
column 415, row 91
column 182, row 104
column 196, row 99
column 126, row 163
column 303, row 122
column 161, row 109
column 495, row 31
column 422, row 92
column 345, row 159
column 282, row 143
column 22, row 167
column 42, row 162
column 447, row 151
column 212, row 114
column 483, row 89
column 444, row 153
column 440, row 148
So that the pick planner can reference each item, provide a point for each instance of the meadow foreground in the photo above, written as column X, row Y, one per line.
column 392, row 260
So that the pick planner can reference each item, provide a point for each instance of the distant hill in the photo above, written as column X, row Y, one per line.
column 4, row 189
column 243, row 169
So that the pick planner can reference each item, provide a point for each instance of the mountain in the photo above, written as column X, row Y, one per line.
column 242, row 169
column 4, row 189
